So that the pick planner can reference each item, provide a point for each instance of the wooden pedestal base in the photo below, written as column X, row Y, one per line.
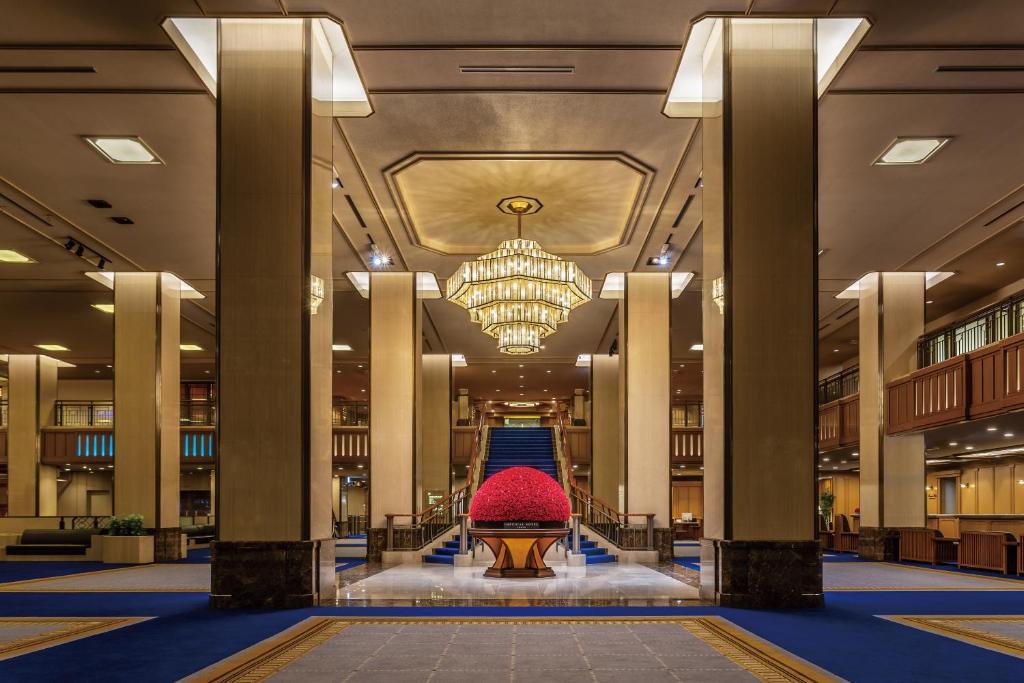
column 519, row 553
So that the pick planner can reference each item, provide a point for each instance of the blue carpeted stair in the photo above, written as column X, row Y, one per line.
column 443, row 554
column 520, row 447
column 593, row 553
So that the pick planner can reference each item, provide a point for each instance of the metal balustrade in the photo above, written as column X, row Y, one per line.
column 989, row 325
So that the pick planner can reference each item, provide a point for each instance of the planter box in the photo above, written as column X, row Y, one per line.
column 127, row 549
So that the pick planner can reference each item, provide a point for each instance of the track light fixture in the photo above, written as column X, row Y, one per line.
column 87, row 254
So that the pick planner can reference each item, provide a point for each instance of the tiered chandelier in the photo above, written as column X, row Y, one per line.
column 519, row 293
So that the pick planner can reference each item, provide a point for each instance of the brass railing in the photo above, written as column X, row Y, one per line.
column 414, row 531
column 619, row 528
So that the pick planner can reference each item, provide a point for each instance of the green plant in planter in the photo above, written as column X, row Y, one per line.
column 825, row 503
column 129, row 525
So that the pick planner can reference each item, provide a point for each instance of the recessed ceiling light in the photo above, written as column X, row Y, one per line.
column 106, row 308
column 127, row 149
column 340, row 347
column 970, row 448
column 11, row 256
column 697, row 347
column 991, row 429
column 929, row 301
column 122, row 220
column 1008, row 434
column 520, row 365
column 494, row 371
column 952, row 443
column 190, row 347
column 99, row 203
column 548, row 371
column 1000, row 264
column 52, row 347
column 904, row 151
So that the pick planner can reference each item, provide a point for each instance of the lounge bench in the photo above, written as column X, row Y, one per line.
column 54, row 543
column 995, row 550
column 198, row 534
column 927, row 545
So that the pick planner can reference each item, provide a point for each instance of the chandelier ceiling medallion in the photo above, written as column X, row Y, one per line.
column 519, row 293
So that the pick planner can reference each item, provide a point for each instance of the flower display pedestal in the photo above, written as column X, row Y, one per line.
column 127, row 549
column 519, row 553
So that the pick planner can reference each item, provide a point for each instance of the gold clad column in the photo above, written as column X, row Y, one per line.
column 646, row 358
column 606, row 472
column 435, row 471
column 892, row 473
column 147, row 412
column 395, row 368
column 274, row 285
column 760, row 314
column 32, row 386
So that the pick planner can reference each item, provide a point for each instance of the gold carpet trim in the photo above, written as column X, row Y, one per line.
column 958, row 628
column 760, row 658
column 72, row 628
column 20, row 586
column 1011, row 584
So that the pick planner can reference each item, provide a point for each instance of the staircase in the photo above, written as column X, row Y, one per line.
column 589, row 549
column 521, row 447
column 443, row 554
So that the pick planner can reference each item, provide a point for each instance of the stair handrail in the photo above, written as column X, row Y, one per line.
column 433, row 521
column 594, row 512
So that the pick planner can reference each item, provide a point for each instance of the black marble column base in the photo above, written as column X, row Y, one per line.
column 271, row 574
column 166, row 544
column 376, row 542
column 761, row 574
column 879, row 544
column 663, row 543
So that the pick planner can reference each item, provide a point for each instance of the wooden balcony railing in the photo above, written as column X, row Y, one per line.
column 839, row 423
column 350, row 443
column 687, row 444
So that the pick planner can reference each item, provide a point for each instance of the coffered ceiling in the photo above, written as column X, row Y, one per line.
column 477, row 101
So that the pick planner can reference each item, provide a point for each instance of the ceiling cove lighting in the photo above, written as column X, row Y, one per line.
column 340, row 347
column 459, row 360
column 519, row 294
column 697, row 347
column 835, row 38
column 340, row 85
column 11, row 256
column 931, row 278
column 426, row 284
column 190, row 347
column 106, row 308
column 583, row 360
column 126, row 149
column 614, row 285
column 106, row 278
column 52, row 347
column 906, row 151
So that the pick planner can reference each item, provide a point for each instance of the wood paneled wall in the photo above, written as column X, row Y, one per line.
column 983, row 488
column 688, row 496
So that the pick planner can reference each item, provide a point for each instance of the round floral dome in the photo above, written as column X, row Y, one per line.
column 520, row 494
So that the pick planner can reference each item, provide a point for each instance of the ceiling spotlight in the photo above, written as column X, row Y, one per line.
column 336, row 183
column 991, row 429
column 123, row 150
column 1000, row 264
column 1008, row 434
column 903, row 151
column 952, row 443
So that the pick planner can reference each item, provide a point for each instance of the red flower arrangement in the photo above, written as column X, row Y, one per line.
column 520, row 494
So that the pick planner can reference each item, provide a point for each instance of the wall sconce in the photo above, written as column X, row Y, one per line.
column 316, row 293
column 963, row 486
column 718, row 293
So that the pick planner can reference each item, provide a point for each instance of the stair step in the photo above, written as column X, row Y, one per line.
column 446, row 551
column 590, row 552
column 601, row 559
column 439, row 559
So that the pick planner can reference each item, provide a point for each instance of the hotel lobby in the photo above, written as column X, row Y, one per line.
column 554, row 341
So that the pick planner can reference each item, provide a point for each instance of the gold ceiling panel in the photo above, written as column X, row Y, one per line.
column 448, row 202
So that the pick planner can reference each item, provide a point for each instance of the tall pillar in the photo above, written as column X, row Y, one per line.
column 395, row 365
column 147, row 464
column 434, row 474
column 646, row 358
column 274, row 286
column 892, row 472
column 606, row 467
column 32, row 390
column 760, row 315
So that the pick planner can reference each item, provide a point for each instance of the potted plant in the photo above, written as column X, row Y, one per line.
column 126, row 541
column 825, row 504
column 519, row 513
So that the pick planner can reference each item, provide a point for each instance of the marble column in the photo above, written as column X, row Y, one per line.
column 892, row 468
column 274, row 285
column 645, row 352
column 147, row 412
column 760, row 315
column 32, row 390
column 606, row 468
column 434, row 475
column 395, row 371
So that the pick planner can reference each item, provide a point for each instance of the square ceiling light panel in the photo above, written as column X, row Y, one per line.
column 11, row 256
column 124, row 149
column 904, row 151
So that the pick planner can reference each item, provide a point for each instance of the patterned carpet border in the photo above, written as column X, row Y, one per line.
column 958, row 627
column 760, row 658
column 72, row 628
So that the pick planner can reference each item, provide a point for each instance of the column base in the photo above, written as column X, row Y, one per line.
column 663, row 544
column 761, row 574
column 879, row 544
column 271, row 574
column 167, row 544
column 376, row 542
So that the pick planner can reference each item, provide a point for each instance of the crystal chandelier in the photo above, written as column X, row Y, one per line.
column 519, row 293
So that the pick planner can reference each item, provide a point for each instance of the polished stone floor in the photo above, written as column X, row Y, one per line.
column 613, row 583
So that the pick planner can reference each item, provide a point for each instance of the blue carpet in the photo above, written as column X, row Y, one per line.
column 344, row 563
column 22, row 571
column 688, row 562
column 356, row 536
column 196, row 556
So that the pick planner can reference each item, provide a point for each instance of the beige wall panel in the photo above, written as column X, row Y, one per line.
column 1018, row 489
column 394, row 355
column 85, row 390
column 772, row 317
column 74, row 494
column 1002, row 490
column 262, row 284
column 436, row 466
column 986, row 479
column 648, row 395
column 606, row 477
